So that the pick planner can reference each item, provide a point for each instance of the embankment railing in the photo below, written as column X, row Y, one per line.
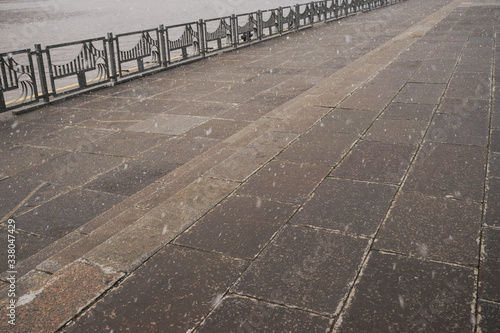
column 32, row 78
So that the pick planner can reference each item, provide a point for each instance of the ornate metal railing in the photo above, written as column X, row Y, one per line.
column 90, row 59
column 72, row 68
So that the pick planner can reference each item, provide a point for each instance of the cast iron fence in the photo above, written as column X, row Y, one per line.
column 31, row 78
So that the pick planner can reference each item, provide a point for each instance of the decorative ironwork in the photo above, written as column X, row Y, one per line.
column 288, row 21
column 248, row 31
column 303, row 18
column 270, row 26
column 223, row 35
column 15, row 76
column 190, row 38
column 89, row 59
column 147, row 46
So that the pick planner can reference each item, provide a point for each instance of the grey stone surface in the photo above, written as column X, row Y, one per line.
column 432, row 228
column 178, row 150
column 434, row 71
column 18, row 132
column 348, row 121
column 462, row 130
column 469, row 85
column 285, row 181
column 217, row 129
column 239, row 227
column 376, row 162
column 173, row 299
column 443, row 170
column 125, row 144
column 347, row 206
column 416, row 112
column 398, row 294
column 236, row 313
column 490, row 316
column 294, row 268
column 495, row 141
column 319, row 146
column 421, row 93
column 130, row 177
column 490, row 265
column 370, row 97
column 73, row 169
column 70, row 138
column 494, row 165
column 80, row 206
column 21, row 158
column 26, row 245
column 464, row 107
column 168, row 124
column 397, row 131
column 17, row 190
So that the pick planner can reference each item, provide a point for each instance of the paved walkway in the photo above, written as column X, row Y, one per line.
column 344, row 178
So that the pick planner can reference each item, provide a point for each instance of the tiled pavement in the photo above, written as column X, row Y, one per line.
column 344, row 178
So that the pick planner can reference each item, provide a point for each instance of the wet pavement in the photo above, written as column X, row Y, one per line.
column 343, row 178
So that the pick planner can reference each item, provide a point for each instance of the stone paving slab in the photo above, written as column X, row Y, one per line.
column 347, row 206
column 50, row 221
column 376, row 162
column 453, row 171
column 160, row 225
column 239, row 313
column 168, row 124
column 460, row 130
column 239, row 227
column 63, row 296
column 125, row 144
column 396, row 131
column 398, row 294
column 171, row 299
column 73, row 169
column 490, row 270
column 285, row 181
column 420, row 93
column 292, row 270
column 490, row 316
column 415, row 112
column 319, row 146
column 130, row 177
column 432, row 228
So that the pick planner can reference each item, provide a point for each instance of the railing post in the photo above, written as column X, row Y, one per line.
column 41, row 73
column 234, row 30
column 3, row 107
column 280, row 21
column 201, row 33
column 297, row 16
column 311, row 13
column 260, row 28
column 325, row 7
column 163, row 48
column 112, row 57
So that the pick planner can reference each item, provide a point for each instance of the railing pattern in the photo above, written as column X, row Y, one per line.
column 89, row 59
column 25, row 79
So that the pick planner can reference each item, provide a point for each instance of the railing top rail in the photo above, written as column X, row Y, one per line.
column 76, row 42
column 246, row 14
column 180, row 25
column 217, row 18
column 135, row 32
column 13, row 53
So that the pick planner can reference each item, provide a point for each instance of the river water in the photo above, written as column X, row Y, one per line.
column 26, row 22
